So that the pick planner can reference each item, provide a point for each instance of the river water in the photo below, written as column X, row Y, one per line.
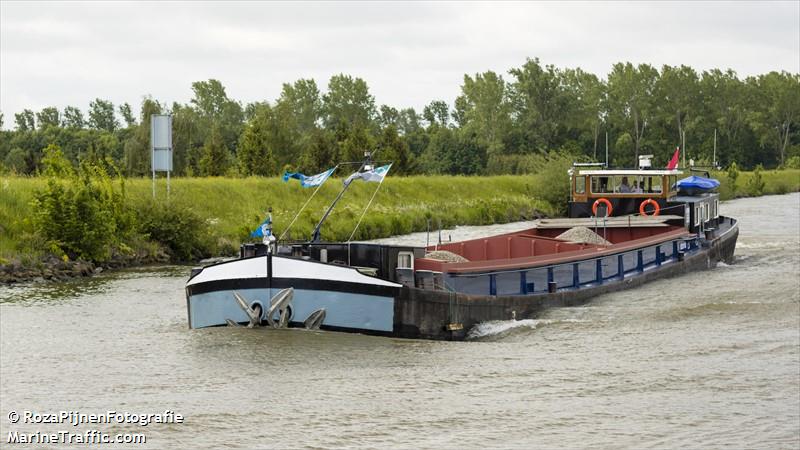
column 707, row 360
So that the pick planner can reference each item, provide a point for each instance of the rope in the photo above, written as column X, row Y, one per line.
column 365, row 211
column 304, row 206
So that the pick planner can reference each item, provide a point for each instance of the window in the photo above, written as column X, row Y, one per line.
column 697, row 215
column 706, row 215
column 655, row 184
column 405, row 260
column 623, row 184
column 580, row 185
column 716, row 209
column 673, row 181
column 600, row 185
column 650, row 184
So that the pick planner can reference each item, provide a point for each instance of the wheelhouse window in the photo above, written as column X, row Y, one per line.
column 697, row 211
column 580, row 184
column 673, row 183
column 602, row 185
column 405, row 260
column 716, row 209
column 623, row 184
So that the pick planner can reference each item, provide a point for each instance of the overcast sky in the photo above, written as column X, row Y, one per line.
column 63, row 53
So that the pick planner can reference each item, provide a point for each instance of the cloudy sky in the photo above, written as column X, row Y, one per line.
column 64, row 53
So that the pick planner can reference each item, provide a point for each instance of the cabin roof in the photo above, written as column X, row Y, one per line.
column 630, row 172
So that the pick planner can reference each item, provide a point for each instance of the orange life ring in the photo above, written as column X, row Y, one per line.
column 597, row 202
column 649, row 201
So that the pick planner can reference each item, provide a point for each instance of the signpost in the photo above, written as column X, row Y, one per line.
column 161, row 146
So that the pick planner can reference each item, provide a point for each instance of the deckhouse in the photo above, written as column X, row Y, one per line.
column 640, row 192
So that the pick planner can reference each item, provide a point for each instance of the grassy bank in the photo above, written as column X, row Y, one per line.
column 231, row 207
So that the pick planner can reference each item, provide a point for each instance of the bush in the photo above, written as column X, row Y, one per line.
column 179, row 229
column 552, row 182
column 733, row 175
column 79, row 214
column 755, row 185
column 793, row 163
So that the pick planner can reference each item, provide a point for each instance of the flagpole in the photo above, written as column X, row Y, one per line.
column 365, row 210
column 306, row 204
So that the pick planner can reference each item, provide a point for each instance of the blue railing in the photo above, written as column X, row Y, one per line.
column 573, row 275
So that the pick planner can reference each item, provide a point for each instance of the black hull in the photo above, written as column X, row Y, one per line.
column 426, row 314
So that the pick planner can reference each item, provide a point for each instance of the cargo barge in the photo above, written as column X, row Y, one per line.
column 625, row 228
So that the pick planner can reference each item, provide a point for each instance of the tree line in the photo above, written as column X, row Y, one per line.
column 500, row 123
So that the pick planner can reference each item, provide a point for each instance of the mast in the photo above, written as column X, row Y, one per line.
column 315, row 235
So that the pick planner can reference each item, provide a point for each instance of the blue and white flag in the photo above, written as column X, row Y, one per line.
column 376, row 175
column 265, row 229
column 306, row 181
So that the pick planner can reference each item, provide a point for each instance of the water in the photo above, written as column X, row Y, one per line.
column 704, row 360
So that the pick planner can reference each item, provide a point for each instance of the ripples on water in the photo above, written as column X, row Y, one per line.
column 703, row 360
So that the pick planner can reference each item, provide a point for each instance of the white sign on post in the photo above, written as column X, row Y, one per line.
column 161, row 146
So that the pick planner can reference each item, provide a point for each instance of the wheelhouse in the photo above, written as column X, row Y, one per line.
column 591, row 184
column 622, row 192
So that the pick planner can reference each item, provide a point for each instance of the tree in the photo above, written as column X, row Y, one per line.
column 255, row 155
column 590, row 95
column 101, row 115
column 348, row 104
column 630, row 100
column 391, row 147
column 437, row 113
column 677, row 91
column 303, row 100
column 779, row 110
column 127, row 115
column 216, row 156
column 187, row 139
column 320, row 152
column 541, row 105
column 73, row 118
column 137, row 148
column 214, row 108
column 25, row 120
column 487, row 110
column 48, row 117
column 410, row 128
column 724, row 99
column 388, row 117
column 18, row 160
column 357, row 141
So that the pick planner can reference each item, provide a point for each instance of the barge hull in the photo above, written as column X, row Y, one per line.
column 440, row 315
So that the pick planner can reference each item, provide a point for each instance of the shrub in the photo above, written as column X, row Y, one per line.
column 755, row 185
column 80, row 213
column 551, row 184
column 793, row 163
column 179, row 229
column 733, row 175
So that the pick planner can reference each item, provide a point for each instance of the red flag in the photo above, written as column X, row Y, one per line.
column 673, row 163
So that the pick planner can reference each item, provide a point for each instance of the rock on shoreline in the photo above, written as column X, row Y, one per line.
column 48, row 269
column 51, row 268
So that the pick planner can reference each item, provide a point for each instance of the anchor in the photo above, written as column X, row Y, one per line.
column 279, row 304
column 315, row 319
column 253, row 313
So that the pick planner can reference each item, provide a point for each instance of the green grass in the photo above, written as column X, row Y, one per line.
column 775, row 182
column 234, row 206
